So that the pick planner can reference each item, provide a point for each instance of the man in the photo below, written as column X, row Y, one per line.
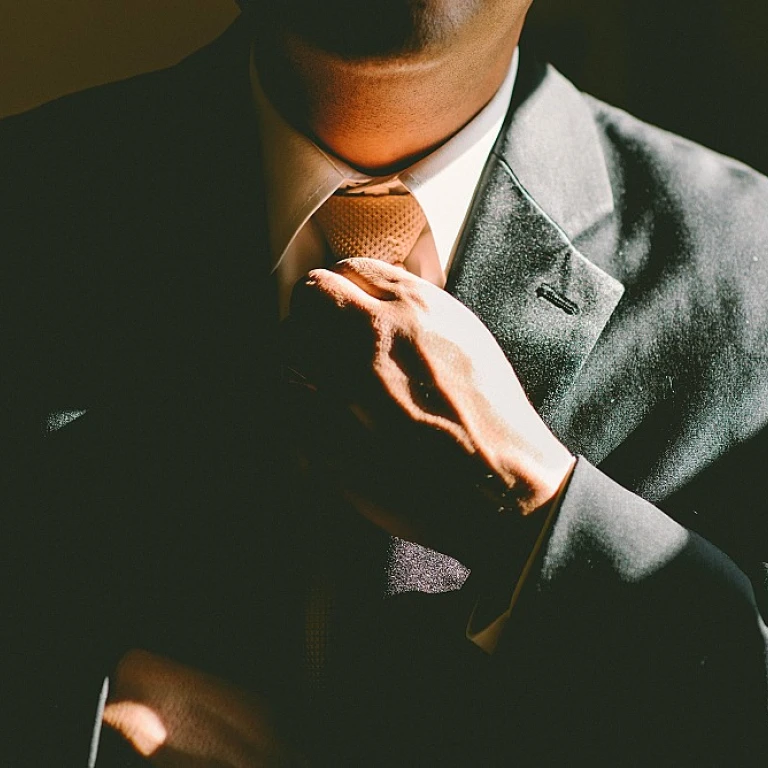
column 208, row 477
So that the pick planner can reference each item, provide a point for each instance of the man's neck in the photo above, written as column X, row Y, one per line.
column 381, row 115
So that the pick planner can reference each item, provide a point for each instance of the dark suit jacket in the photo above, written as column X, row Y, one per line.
column 146, row 502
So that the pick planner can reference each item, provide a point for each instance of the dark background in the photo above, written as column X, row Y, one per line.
column 697, row 67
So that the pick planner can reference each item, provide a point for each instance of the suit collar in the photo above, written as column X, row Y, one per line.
column 552, row 145
column 517, row 267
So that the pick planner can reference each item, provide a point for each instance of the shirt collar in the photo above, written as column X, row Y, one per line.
column 300, row 176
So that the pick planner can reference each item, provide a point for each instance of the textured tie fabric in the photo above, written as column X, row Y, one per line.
column 317, row 630
column 384, row 227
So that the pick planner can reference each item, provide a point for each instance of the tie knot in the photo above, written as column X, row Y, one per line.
column 383, row 227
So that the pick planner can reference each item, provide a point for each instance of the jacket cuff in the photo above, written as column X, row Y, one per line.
column 601, row 525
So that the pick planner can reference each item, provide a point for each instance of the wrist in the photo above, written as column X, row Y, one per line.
column 526, row 485
column 512, row 536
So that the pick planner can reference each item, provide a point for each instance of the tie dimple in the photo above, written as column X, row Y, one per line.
column 384, row 227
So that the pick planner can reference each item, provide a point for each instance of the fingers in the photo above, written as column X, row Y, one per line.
column 354, row 282
column 330, row 335
column 180, row 716
column 378, row 279
column 139, row 724
column 322, row 290
column 134, row 710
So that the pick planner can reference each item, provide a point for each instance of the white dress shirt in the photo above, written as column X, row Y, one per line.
column 300, row 177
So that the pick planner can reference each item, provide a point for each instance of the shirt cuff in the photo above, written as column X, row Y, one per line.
column 491, row 612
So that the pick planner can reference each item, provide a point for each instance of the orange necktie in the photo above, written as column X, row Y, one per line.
column 384, row 227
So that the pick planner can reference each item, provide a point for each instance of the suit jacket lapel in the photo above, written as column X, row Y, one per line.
column 545, row 184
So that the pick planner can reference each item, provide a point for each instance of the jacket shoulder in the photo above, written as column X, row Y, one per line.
column 688, row 238
column 72, row 147
column 112, row 197
column 694, row 221
column 703, row 187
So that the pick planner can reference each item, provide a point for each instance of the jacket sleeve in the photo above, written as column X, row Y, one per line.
column 641, row 633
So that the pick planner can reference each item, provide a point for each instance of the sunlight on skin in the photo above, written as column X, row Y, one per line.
column 416, row 351
column 180, row 716
column 382, row 113
column 490, row 416
column 140, row 724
